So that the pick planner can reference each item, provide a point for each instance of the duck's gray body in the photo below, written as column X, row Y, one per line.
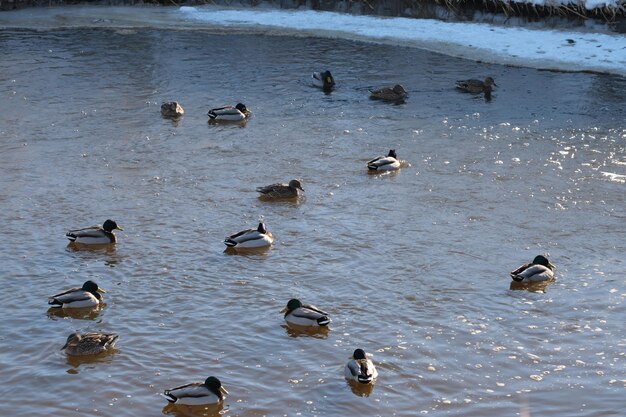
column 384, row 163
column 250, row 238
column 229, row 113
column 540, row 269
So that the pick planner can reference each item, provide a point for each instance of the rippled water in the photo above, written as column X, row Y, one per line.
column 412, row 266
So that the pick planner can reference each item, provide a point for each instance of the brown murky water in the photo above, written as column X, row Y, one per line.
column 412, row 266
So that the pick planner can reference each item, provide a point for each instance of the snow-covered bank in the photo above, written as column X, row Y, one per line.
column 544, row 49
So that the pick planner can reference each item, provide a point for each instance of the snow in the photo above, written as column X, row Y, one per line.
column 545, row 49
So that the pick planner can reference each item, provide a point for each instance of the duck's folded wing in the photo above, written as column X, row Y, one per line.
column 239, row 235
column 353, row 368
column 532, row 270
column 70, row 296
column 313, row 308
column 520, row 269
column 374, row 160
column 305, row 313
column 71, row 290
column 195, row 389
column 268, row 188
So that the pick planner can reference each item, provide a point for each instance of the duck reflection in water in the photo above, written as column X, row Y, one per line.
column 538, row 287
column 182, row 410
column 294, row 330
column 75, row 313
column 360, row 390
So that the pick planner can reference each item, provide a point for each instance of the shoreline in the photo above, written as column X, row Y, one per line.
column 563, row 12
column 554, row 50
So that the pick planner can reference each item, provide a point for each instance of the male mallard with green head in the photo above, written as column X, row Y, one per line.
column 323, row 80
column 208, row 392
column 360, row 369
column 304, row 314
column 250, row 238
column 229, row 113
column 95, row 235
column 86, row 296
column 384, row 163
column 540, row 269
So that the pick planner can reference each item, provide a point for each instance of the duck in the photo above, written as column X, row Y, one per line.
column 540, row 269
column 89, row 343
column 229, row 113
column 208, row 392
column 95, row 235
column 323, row 80
column 86, row 296
column 304, row 314
column 278, row 191
column 250, row 238
column 395, row 93
column 360, row 369
column 476, row 86
column 384, row 163
column 172, row 109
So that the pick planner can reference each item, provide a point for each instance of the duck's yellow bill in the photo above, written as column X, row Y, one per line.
column 284, row 310
column 100, row 290
column 223, row 391
column 120, row 228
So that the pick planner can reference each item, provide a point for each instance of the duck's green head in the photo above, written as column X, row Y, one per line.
column 292, row 305
column 110, row 225
column 359, row 354
column 92, row 287
column 392, row 153
column 542, row 260
column 215, row 386
column 328, row 78
column 241, row 107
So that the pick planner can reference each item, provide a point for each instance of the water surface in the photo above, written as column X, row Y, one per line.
column 412, row 266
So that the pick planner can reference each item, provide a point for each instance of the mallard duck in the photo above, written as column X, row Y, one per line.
column 304, row 314
column 384, row 163
column 95, row 235
column 89, row 343
column 250, row 238
column 360, row 369
column 540, row 269
column 476, row 86
column 323, row 80
column 172, row 109
column 278, row 191
column 229, row 113
column 86, row 296
column 395, row 93
column 208, row 392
